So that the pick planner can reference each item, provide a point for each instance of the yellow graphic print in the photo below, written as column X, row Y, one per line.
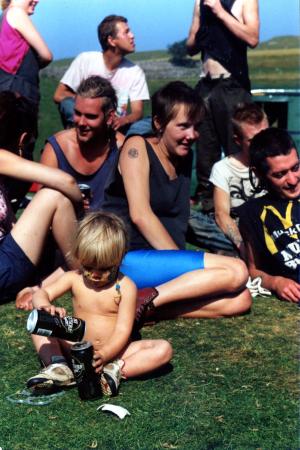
column 286, row 223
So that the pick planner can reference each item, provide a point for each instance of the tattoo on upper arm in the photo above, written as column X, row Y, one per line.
column 133, row 153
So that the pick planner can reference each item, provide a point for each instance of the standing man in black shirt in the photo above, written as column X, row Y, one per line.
column 221, row 30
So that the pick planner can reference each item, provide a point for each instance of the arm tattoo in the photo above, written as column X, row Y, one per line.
column 234, row 236
column 133, row 153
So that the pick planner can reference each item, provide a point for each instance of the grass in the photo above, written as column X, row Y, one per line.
column 232, row 385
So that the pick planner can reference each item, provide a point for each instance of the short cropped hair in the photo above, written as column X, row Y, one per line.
column 107, row 28
column 269, row 143
column 17, row 116
column 98, row 87
column 250, row 113
column 101, row 241
column 167, row 100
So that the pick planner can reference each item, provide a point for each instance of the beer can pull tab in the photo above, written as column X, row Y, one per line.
column 117, row 410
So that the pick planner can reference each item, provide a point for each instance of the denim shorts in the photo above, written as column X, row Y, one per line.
column 150, row 268
column 16, row 269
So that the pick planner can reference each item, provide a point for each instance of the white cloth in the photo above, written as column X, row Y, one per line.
column 233, row 180
column 256, row 288
column 128, row 79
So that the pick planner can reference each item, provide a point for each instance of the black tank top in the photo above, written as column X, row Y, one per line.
column 169, row 200
column 217, row 41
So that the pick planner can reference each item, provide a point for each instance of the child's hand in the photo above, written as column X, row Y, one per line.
column 54, row 310
column 98, row 362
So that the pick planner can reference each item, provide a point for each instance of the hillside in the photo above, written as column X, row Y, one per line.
column 274, row 63
column 280, row 42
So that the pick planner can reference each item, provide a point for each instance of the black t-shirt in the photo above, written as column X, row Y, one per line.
column 272, row 225
column 169, row 200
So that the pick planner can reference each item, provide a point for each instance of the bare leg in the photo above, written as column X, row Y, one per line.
column 48, row 208
column 144, row 356
column 47, row 347
column 216, row 291
column 212, row 308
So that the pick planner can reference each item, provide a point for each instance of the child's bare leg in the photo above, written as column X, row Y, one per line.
column 53, row 353
column 46, row 348
column 144, row 356
column 48, row 208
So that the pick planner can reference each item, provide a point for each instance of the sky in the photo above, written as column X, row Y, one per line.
column 70, row 26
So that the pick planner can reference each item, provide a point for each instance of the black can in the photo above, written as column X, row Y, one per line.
column 42, row 323
column 85, row 189
column 88, row 382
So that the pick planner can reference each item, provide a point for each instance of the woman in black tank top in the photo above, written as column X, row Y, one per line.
column 150, row 191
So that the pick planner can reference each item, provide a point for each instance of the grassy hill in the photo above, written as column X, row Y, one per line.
column 276, row 63
column 273, row 64
column 280, row 42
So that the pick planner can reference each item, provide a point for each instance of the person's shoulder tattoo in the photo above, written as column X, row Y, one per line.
column 133, row 153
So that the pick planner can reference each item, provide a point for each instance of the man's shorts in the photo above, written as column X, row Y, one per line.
column 154, row 267
column 16, row 269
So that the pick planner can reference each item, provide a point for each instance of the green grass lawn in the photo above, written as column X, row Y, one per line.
column 233, row 384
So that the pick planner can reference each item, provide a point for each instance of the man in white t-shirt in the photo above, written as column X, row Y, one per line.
column 231, row 180
column 127, row 78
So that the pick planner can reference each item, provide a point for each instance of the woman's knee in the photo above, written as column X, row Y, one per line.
column 238, row 274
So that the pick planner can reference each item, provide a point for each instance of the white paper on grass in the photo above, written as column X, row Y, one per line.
column 117, row 410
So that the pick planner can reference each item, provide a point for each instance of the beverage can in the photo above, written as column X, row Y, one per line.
column 88, row 382
column 85, row 189
column 42, row 323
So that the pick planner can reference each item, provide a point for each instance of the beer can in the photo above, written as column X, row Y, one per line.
column 85, row 189
column 88, row 382
column 42, row 323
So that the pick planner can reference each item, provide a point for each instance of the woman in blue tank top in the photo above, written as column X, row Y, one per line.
column 150, row 190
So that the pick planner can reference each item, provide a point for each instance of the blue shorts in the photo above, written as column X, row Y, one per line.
column 16, row 269
column 149, row 268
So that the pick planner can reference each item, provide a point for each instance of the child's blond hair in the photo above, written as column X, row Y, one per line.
column 101, row 241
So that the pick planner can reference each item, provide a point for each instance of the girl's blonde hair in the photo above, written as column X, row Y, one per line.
column 101, row 241
column 4, row 4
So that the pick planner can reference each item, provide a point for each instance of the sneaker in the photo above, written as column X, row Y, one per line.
column 57, row 374
column 110, row 378
column 144, row 304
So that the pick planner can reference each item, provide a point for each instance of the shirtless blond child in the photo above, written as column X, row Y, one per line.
column 106, row 300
